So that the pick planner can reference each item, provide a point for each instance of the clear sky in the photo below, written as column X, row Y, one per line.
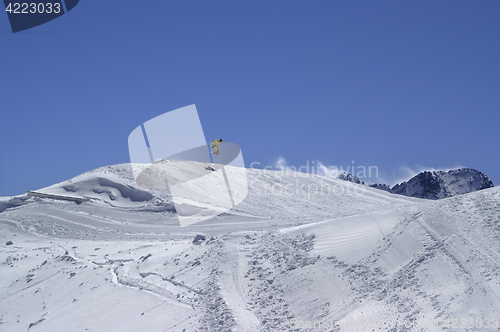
column 401, row 85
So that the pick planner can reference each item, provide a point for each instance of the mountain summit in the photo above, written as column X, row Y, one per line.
column 346, row 176
column 434, row 184
column 442, row 184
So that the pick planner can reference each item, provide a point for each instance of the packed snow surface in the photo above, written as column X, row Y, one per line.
column 300, row 253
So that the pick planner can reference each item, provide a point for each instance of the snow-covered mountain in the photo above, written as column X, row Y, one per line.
column 442, row 184
column 346, row 176
column 434, row 184
column 381, row 186
column 302, row 253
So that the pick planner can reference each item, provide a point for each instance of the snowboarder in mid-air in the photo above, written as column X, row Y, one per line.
column 215, row 146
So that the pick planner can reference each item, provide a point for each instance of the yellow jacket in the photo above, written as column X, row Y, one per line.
column 216, row 142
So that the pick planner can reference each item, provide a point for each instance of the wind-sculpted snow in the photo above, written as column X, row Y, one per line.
column 108, row 184
column 7, row 202
column 109, row 187
column 271, row 194
column 296, row 255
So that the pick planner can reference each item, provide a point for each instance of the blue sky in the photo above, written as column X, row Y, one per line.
column 402, row 85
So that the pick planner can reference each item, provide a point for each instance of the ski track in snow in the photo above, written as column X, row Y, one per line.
column 277, row 262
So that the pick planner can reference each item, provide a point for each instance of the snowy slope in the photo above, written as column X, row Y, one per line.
column 298, row 250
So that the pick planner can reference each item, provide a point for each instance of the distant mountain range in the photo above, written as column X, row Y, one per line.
column 434, row 184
